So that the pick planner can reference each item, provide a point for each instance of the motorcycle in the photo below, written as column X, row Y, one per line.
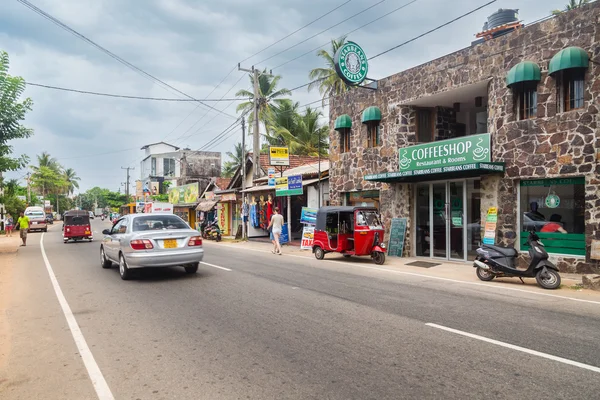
column 102, row 217
column 211, row 231
column 497, row 261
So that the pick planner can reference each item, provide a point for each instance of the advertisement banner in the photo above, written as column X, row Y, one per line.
column 279, row 156
column 308, row 216
column 154, row 188
column 491, row 221
column 308, row 236
column 228, row 197
column 271, row 176
column 139, row 190
column 294, row 182
column 224, row 218
column 281, row 183
column 184, row 194
column 161, row 208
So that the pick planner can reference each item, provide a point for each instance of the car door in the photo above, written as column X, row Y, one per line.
column 112, row 241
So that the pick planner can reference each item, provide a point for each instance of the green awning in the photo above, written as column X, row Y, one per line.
column 470, row 170
column 371, row 114
column 525, row 71
column 571, row 57
column 343, row 122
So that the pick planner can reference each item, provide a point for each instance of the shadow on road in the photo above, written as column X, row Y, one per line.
column 163, row 274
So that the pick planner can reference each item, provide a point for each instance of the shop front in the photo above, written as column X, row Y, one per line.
column 226, row 210
column 445, row 178
column 368, row 198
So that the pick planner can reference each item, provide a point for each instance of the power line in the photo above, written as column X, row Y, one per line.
column 111, row 54
column 296, row 31
column 323, row 31
column 123, row 96
column 347, row 33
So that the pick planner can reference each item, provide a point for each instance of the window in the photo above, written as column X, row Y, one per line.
column 345, row 140
column 153, row 166
column 373, row 134
column 168, row 167
column 158, row 222
column 555, row 209
column 570, row 89
column 424, row 125
column 525, row 100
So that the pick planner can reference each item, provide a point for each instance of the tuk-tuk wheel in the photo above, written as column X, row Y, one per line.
column 379, row 257
column 347, row 255
column 319, row 253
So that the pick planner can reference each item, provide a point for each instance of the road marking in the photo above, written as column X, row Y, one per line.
column 100, row 386
column 215, row 266
column 518, row 348
column 487, row 285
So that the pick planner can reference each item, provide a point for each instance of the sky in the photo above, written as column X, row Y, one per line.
column 192, row 45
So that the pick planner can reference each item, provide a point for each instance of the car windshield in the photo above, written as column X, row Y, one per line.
column 158, row 222
column 35, row 214
column 369, row 218
column 78, row 220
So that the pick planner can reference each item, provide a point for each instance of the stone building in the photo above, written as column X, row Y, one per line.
column 510, row 123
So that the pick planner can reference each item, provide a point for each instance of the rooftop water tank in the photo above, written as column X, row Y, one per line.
column 502, row 17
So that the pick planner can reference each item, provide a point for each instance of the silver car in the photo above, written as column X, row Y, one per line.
column 151, row 240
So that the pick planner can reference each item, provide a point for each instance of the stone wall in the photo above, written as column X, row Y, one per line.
column 552, row 145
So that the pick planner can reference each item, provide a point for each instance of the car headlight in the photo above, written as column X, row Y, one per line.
column 382, row 245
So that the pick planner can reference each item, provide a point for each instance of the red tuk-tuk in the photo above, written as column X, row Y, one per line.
column 76, row 226
column 351, row 231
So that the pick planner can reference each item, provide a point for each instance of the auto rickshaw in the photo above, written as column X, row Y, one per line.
column 351, row 231
column 76, row 226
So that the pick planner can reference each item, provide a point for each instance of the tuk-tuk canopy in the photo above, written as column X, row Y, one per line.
column 76, row 217
column 323, row 211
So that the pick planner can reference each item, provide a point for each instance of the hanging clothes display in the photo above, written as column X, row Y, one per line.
column 269, row 209
column 254, row 215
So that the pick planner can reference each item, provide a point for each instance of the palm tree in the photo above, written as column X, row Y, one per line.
column 47, row 175
column 237, row 158
column 327, row 79
column 45, row 160
column 285, row 116
column 307, row 136
column 71, row 180
column 573, row 4
column 269, row 95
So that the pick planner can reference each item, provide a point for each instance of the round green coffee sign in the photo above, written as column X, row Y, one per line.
column 351, row 63
column 552, row 201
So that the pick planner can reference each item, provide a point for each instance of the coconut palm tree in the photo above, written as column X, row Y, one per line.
column 71, row 180
column 306, row 136
column 45, row 160
column 269, row 94
column 285, row 116
column 573, row 4
column 236, row 160
column 326, row 79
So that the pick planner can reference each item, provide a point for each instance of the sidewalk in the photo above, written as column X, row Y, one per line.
column 456, row 271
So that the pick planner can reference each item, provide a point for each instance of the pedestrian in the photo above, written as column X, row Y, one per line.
column 23, row 222
column 8, row 225
column 276, row 226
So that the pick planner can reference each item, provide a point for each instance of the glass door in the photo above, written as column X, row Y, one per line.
column 439, row 220
column 456, row 222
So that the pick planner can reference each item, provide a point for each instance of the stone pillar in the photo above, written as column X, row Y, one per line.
column 396, row 203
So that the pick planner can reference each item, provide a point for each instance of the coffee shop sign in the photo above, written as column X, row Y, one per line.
column 444, row 153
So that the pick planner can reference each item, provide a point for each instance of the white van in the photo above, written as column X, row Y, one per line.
column 37, row 219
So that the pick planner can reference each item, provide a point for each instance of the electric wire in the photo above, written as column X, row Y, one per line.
column 111, row 54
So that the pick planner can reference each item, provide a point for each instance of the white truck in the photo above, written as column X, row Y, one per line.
column 98, row 211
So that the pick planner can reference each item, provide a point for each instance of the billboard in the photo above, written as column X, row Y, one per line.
column 184, row 194
column 279, row 156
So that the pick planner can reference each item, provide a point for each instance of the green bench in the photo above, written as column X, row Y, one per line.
column 559, row 243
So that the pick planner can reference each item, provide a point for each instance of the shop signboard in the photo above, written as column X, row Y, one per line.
column 308, row 236
column 224, row 218
column 228, row 197
column 209, row 195
column 293, row 186
column 488, row 166
column 468, row 149
column 271, row 173
column 284, row 237
column 351, row 64
column 139, row 190
column 281, row 183
column 308, row 216
column 491, row 221
column 185, row 194
column 397, row 236
column 161, row 208
column 279, row 156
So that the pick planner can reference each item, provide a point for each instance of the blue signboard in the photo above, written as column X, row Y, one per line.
column 294, row 182
column 284, row 237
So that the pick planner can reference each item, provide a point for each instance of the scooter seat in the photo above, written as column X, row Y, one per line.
column 507, row 251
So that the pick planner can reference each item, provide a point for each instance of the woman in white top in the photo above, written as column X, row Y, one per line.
column 276, row 226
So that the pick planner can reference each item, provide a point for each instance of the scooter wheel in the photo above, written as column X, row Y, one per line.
column 484, row 274
column 379, row 257
column 549, row 279
column 218, row 238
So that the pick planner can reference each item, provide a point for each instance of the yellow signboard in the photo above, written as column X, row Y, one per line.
column 184, row 194
column 279, row 156
column 281, row 183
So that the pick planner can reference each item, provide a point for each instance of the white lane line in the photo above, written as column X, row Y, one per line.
column 215, row 266
column 518, row 348
column 100, row 386
column 487, row 285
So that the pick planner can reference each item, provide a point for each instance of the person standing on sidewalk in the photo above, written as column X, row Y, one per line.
column 276, row 226
column 8, row 225
column 23, row 222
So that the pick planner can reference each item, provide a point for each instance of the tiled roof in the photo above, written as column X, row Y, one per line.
column 306, row 170
column 222, row 183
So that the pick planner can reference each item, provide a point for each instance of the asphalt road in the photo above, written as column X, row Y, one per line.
column 282, row 327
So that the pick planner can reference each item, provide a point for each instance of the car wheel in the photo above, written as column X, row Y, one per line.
column 105, row 262
column 46, row 230
column 191, row 268
column 123, row 270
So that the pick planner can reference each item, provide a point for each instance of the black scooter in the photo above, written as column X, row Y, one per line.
column 497, row 261
column 211, row 230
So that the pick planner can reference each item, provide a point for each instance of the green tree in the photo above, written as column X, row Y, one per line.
column 47, row 180
column 46, row 160
column 269, row 95
column 283, row 117
column 12, row 112
column 236, row 159
column 71, row 179
column 326, row 79
column 307, row 136
column 573, row 4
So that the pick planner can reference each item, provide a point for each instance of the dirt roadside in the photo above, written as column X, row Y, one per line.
column 8, row 254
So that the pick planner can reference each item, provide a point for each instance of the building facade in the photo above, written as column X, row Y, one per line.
column 510, row 123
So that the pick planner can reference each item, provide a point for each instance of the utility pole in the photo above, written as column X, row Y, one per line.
column 256, row 135
column 28, row 189
column 319, row 154
column 243, row 175
column 127, row 182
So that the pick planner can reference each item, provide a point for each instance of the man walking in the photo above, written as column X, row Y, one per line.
column 23, row 222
